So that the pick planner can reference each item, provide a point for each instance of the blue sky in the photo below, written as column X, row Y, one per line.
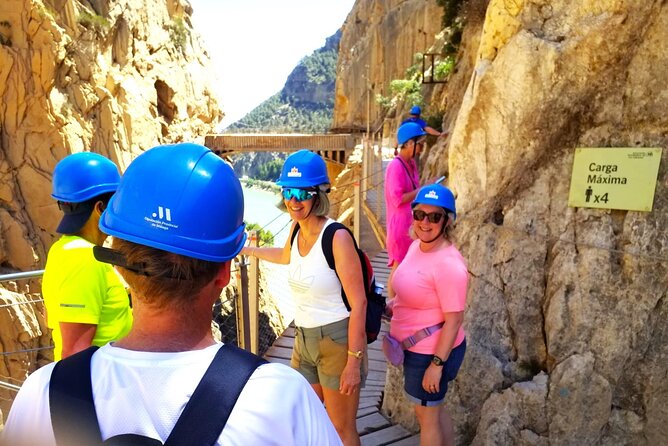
column 255, row 44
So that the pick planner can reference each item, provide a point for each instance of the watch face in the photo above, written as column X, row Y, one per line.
column 436, row 360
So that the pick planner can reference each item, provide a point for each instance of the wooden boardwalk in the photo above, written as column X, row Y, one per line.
column 374, row 428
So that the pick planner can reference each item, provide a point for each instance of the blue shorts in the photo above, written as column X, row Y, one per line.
column 415, row 364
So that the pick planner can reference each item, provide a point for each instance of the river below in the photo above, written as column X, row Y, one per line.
column 260, row 208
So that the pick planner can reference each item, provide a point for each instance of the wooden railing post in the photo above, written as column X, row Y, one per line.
column 366, row 146
column 247, row 304
column 240, row 310
column 378, row 165
column 357, row 204
column 254, row 294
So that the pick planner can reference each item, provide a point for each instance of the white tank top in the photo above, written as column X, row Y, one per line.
column 315, row 287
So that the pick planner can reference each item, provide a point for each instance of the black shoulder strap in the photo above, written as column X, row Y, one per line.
column 202, row 420
column 328, row 250
column 73, row 415
column 328, row 242
column 205, row 415
column 294, row 234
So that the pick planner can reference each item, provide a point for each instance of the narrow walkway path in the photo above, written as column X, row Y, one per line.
column 374, row 428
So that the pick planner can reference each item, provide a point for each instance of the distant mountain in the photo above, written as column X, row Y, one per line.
column 304, row 105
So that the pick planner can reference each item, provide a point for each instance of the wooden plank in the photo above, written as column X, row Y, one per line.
column 279, row 360
column 376, row 376
column 375, row 354
column 365, row 402
column 368, row 402
column 377, row 366
column 388, row 435
column 248, row 142
column 289, row 332
column 284, row 342
column 372, row 382
column 279, row 352
column 371, row 422
column 362, row 411
column 371, row 394
column 374, row 386
column 410, row 441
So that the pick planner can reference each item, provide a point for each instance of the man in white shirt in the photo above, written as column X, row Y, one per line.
column 176, row 222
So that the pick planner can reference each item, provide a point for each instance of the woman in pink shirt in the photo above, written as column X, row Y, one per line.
column 430, row 286
column 401, row 185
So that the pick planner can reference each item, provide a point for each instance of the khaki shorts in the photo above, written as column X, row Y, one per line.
column 321, row 353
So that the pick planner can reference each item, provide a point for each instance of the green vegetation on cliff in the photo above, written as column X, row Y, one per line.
column 304, row 105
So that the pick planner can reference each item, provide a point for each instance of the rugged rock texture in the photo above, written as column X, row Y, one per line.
column 114, row 77
column 24, row 338
column 577, row 293
column 380, row 40
column 567, row 331
column 307, row 86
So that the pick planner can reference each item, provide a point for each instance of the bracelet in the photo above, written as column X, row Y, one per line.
column 358, row 354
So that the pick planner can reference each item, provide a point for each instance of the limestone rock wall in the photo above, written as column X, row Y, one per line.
column 579, row 294
column 114, row 77
column 24, row 335
column 567, row 316
column 380, row 39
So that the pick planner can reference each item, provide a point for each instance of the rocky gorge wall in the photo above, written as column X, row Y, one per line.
column 114, row 77
column 379, row 42
column 567, row 317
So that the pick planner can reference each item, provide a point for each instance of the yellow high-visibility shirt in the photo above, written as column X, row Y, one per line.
column 79, row 289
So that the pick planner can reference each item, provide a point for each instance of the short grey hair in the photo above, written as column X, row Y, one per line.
column 320, row 207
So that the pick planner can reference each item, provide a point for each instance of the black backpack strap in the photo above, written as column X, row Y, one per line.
column 73, row 415
column 202, row 420
column 205, row 415
column 294, row 234
column 328, row 250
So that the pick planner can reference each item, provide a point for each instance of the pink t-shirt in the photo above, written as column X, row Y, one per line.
column 428, row 284
column 398, row 215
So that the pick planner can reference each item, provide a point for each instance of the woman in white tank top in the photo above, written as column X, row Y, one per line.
column 330, row 341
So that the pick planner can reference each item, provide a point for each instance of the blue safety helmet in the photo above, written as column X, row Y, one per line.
column 409, row 130
column 180, row 198
column 81, row 176
column 303, row 169
column 436, row 195
column 416, row 110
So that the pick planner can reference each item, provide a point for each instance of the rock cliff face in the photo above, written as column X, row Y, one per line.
column 303, row 88
column 567, row 311
column 114, row 77
column 380, row 39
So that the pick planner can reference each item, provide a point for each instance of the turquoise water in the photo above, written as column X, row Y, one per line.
column 260, row 208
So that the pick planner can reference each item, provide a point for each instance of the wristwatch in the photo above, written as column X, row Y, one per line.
column 437, row 361
column 358, row 354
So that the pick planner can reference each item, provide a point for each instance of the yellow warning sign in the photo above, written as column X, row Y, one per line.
column 614, row 178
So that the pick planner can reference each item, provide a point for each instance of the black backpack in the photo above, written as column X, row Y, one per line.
column 375, row 301
column 200, row 423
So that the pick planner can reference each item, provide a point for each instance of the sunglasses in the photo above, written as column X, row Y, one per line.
column 432, row 217
column 298, row 194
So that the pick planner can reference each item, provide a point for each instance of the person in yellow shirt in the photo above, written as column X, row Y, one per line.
column 85, row 300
